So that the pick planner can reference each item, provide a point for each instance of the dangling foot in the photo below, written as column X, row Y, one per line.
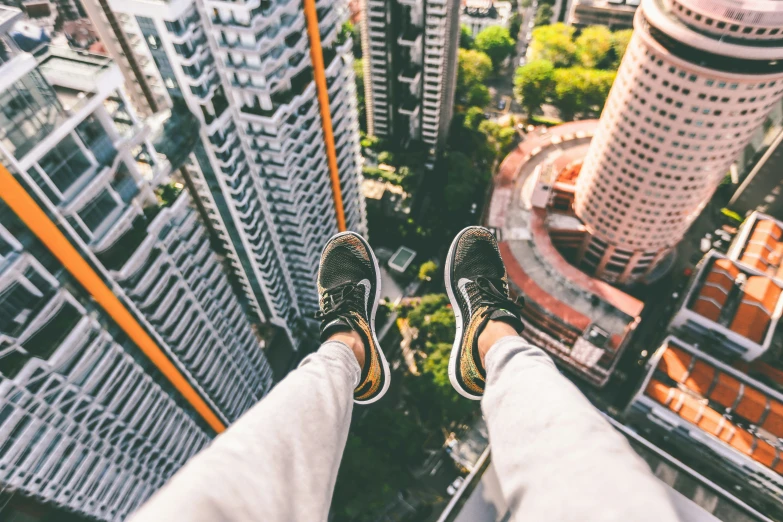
column 349, row 288
column 477, row 284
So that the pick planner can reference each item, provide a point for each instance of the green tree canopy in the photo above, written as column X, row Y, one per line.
column 465, row 37
column 578, row 90
column 554, row 43
column 594, row 47
column 473, row 118
column 358, row 70
column 479, row 96
column 496, row 43
column 532, row 84
column 465, row 182
column 543, row 16
column 474, row 68
column 499, row 137
column 620, row 41
column 427, row 270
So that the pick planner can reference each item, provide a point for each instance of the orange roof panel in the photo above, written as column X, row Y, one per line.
column 760, row 296
column 707, row 309
column 700, row 378
column 726, row 390
column 657, row 391
column 674, row 362
column 773, row 422
column 742, row 441
column 764, row 453
column 752, row 404
column 710, row 421
column 767, row 227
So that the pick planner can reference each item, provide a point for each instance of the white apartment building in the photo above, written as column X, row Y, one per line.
column 261, row 166
column 87, row 422
column 410, row 69
column 697, row 81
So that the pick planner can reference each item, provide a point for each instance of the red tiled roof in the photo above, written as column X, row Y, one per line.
column 614, row 296
column 721, row 389
column 760, row 296
column 705, row 396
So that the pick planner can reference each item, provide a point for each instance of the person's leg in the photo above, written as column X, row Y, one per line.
column 279, row 461
column 557, row 458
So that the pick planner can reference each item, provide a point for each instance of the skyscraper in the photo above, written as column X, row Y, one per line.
column 123, row 345
column 276, row 165
column 409, row 48
column 698, row 78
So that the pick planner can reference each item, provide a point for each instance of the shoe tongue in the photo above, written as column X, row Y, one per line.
column 510, row 318
column 341, row 324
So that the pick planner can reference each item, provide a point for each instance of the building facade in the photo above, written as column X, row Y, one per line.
column 615, row 14
column 90, row 421
column 478, row 15
column 696, row 82
column 274, row 142
column 409, row 49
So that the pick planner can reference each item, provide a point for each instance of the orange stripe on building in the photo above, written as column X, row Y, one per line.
column 20, row 202
column 319, row 72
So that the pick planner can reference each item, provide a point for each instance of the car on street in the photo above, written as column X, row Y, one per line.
column 522, row 61
column 502, row 104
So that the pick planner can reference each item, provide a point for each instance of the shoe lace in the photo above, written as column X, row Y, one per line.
column 493, row 298
column 340, row 300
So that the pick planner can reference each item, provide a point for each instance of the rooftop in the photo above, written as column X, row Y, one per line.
column 736, row 298
column 76, row 76
column 582, row 321
column 741, row 419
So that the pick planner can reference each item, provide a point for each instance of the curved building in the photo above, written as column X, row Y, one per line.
column 698, row 78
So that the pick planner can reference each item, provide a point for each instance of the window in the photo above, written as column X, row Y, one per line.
column 97, row 210
column 65, row 163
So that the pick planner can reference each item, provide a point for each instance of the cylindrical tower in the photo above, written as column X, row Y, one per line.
column 698, row 78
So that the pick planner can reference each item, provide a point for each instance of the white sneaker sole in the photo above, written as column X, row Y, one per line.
column 455, row 348
column 376, row 300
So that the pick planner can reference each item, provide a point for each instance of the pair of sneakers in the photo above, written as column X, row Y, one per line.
column 349, row 288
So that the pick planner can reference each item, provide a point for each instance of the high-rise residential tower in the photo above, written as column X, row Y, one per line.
column 698, row 78
column 276, row 164
column 124, row 346
column 409, row 48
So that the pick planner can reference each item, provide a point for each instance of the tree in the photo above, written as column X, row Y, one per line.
column 465, row 183
column 620, row 41
column 473, row 68
column 553, row 43
column 499, row 137
column 427, row 270
column 581, row 91
column 532, row 84
column 496, row 43
column 358, row 70
column 465, row 37
column 386, row 157
column 593, row 47
column 543, row 16
column 479, row 96
column 514, row 25
column 473, row 117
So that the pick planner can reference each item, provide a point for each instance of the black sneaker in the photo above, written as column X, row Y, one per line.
column 477, row 284
column 349, row 288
